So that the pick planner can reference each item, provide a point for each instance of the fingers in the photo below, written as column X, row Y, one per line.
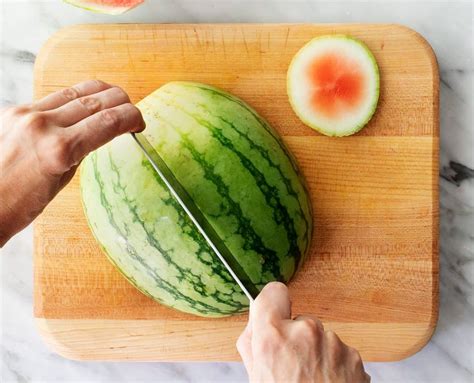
column 354, row 362
column 100, row 128
column 83, row 107
column 63, row 96
column 343, row 360
column 310, row 318
column 271, row 305
column 335, row 349
column 95, row 113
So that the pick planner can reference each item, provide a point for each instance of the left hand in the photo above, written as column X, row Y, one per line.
column 42, row 144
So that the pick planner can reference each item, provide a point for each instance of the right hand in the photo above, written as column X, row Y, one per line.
column 275, row 348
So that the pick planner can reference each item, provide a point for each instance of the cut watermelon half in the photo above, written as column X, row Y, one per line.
column 111, row 7
column 333, row 85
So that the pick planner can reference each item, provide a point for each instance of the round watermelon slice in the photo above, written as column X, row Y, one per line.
column 333, row 85
column 111, row 7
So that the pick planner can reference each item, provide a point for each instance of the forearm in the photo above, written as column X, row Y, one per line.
column 22, row 202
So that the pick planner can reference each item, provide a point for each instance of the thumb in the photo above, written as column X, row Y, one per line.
column 271, row 305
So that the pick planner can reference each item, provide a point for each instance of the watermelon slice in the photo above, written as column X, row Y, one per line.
column 333, row 85
column 111, row 7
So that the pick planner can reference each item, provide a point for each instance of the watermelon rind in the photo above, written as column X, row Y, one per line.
column 99, row 8
column 330, row 128
column 240, row 175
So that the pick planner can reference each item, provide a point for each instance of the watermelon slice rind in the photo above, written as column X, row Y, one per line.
column 101, row 8
column 353, row 121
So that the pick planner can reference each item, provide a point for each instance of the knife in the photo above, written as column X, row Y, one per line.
column 197, row 217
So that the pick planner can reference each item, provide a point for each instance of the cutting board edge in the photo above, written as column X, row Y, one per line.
column 42, row 59
column 61, row 34
column 136, row 340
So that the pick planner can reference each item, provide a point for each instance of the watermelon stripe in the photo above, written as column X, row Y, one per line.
column 302, row 199
column 189, row 230
column 251, row 239
column 185, row 274
column 270, row 193
column 264, row 153
column 286, row 181
column 199, row 306
column 261, row 121
column 260, row 177
column 280, row 211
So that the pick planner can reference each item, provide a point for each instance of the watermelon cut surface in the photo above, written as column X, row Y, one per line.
column 333, row 84
column 111, row 7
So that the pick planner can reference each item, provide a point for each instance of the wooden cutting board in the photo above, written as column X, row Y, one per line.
column 372, row 274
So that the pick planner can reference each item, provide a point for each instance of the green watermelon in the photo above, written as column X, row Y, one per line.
column 111, row 7
column 239, row 173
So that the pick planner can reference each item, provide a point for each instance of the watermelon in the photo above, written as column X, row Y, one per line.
column 111, row 7
column 239, row 173
column 333, row 84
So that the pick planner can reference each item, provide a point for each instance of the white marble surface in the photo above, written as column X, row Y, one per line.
column 449, row 357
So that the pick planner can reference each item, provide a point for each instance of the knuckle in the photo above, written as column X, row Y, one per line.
column 110, row 118
column 131, row 109
column 331, row 335
column 308, row 327
column 99, row 83
column 355, row 359
column 35, row 121
column 134, row 116
column 70, row 93
column 333, row 340
column 21, row 110
column 354, row 354
column 92, row 104
column 358, row 365
column 334, row 343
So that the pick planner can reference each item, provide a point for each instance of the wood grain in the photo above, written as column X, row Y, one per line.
column 171, row 340
column 373, row 269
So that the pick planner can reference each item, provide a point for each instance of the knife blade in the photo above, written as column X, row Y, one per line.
column 196, row 216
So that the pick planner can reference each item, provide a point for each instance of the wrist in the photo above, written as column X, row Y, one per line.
column 10, row 214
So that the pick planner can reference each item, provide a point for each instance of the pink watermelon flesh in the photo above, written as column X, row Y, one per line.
column 116, row 3
column 106, row 6
column 338, row 84
column 333, row 84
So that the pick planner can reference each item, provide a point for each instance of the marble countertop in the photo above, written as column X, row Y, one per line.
column 448, row 26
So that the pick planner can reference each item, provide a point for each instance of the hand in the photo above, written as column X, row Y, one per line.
column 275, row 348
column 42, row 144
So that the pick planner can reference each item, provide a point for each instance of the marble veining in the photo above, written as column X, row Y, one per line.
column 449, row 357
